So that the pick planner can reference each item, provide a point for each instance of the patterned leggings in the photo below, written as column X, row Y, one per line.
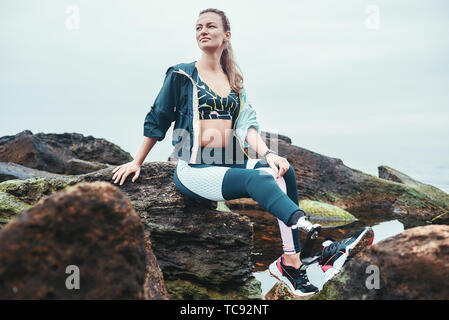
column 252, row 178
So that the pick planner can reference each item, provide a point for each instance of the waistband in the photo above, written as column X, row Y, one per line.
column 215, row 155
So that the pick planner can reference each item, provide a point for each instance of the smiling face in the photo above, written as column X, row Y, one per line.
column 210, row 33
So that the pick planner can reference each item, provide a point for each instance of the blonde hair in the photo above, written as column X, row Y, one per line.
column 227, row 60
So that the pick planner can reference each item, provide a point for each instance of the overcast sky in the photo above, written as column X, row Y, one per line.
column 363, row 81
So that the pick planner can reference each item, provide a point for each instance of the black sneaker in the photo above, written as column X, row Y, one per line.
column 296, row 279
column 335, row 253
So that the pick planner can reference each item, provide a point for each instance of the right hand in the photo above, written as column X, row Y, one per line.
column 124, row 170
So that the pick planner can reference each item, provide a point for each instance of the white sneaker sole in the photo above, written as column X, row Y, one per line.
column 364, row 240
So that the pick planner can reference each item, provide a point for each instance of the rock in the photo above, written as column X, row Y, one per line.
column 316, row 210
column 78, row 166
column 10, row 208
column 281, row 292
column 321, row 211
column 52, row 152
column 436, row 195
column 412, row 265
column 185, row 290
column 328, row 180
column 88, row 148
column 441, row 219
column 192, row 240
column 10, row 171
column 92, row 227
column 391, row 174
column 154, row 287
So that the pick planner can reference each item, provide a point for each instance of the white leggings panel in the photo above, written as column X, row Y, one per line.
column 209, row 186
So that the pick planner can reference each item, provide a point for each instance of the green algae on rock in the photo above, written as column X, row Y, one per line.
column 10, row 208
column 324, row 211
column 187, row 290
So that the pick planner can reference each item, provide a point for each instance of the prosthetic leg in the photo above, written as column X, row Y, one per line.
column 301, row 221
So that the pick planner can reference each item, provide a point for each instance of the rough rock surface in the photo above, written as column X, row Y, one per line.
column 191, row 240
column 328, row 180
column 438, row 196
column 91, row 226
column 10, row 171
column 53, row 152
column 412, row 265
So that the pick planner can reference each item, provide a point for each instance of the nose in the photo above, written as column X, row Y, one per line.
column 202, row 31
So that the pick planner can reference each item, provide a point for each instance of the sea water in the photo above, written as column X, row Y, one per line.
column 268, row 244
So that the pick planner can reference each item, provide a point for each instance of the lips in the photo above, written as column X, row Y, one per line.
column 204, row 39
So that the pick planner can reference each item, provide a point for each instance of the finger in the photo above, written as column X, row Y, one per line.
column 275, row 169
column 285, row 167
column 282, row 171
column 124, row 177
column 136, row 175
column 115, row 171
column 119, row 174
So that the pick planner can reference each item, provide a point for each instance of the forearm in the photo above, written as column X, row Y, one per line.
column 255, row 141
column 147, row 145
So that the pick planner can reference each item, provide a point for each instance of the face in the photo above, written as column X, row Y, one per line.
column 210, row 33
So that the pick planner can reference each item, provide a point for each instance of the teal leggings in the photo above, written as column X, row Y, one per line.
column 250, row 179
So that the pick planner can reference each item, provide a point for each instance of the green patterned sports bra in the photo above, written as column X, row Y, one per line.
column 212, row 106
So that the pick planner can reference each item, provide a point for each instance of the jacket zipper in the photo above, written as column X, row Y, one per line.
column 235, row 123
column 199, row 123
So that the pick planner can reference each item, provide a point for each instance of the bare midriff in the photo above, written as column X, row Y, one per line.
column 215, row 133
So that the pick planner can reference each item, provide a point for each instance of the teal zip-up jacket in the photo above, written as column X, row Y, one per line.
column 178, row 101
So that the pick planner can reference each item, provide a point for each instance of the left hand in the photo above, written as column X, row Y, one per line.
column 276, row 161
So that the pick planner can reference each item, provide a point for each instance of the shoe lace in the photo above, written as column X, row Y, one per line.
column 329, row 252
column 300, row 277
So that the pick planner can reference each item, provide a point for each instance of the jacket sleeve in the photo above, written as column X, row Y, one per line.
column 164, row 109
column 246, row 119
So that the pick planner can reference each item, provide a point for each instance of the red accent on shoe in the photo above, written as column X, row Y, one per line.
column 278, row 265
column 326, row 267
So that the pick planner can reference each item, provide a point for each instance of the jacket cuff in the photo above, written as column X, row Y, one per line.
column 243, row 133
column 153, row 134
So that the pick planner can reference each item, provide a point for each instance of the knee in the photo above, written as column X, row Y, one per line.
column 261, row 177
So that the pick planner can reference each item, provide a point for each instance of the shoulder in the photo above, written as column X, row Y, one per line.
column 186, row 67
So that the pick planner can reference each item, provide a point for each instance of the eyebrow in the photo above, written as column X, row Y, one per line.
column 199, row 24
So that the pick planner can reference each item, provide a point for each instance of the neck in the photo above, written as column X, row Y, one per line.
column 210, row 62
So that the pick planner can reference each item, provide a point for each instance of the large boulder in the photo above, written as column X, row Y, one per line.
column 438, row 196
column 10, row 171
column 82, row 243
column 329, row 180
column 67, row 153
column 412, row 265
column 192, row 240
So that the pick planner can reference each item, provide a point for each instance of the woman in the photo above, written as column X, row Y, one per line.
column 213, row 123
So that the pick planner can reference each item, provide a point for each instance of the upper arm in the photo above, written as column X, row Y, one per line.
column 164, row 109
